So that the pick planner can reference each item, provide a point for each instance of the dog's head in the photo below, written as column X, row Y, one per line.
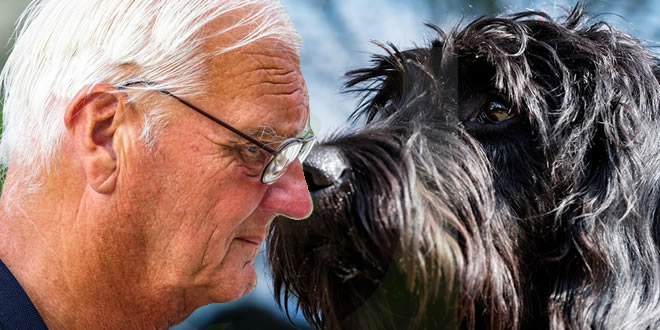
column 457, row 190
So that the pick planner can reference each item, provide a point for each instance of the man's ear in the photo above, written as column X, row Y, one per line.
column 91, row 120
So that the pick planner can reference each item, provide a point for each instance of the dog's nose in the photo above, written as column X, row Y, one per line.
column 325, row 167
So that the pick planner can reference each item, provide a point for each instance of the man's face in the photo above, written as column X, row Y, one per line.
column 202, row 207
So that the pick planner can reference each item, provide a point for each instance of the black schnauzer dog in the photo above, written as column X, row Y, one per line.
column 508, row 177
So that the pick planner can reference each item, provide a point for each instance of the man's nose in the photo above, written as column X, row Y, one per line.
column 289, row 195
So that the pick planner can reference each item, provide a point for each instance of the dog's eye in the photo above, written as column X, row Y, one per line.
column 494, row 112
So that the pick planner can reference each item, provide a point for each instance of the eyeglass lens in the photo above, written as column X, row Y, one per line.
column 287, row 155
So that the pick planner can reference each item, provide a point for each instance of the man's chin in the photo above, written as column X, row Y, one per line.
column 251, row 277
column 237, row 285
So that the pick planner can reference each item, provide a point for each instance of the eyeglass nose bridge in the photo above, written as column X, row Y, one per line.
column 308, row 144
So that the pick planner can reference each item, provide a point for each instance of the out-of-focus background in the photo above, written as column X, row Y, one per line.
column 336, row 38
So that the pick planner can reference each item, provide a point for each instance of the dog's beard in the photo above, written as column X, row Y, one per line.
column 397, row 236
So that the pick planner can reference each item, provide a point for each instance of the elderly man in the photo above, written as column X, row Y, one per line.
column 149, row 145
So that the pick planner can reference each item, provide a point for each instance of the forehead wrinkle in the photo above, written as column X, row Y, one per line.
column 263, row 72
column 264, row 61
column 258, row 79
column 262, row 79
column 280, row 81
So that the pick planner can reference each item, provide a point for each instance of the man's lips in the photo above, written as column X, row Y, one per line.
column 251, row 239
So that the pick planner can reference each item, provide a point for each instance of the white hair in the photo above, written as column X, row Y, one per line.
column 64, row 45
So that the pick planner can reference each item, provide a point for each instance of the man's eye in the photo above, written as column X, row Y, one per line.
column 252, row 158
column 253, row 149
column 254, row 154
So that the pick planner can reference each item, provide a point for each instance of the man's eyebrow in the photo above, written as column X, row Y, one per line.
column 266, row 134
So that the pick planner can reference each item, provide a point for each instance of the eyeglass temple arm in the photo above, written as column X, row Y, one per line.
column 205, row 114
column 220, row 122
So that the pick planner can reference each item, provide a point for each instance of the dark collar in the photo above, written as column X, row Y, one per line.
column 16, row 309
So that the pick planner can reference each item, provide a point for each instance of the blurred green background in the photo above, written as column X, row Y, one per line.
column 9, row 12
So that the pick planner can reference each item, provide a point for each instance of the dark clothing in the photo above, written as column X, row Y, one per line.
column 16, row 310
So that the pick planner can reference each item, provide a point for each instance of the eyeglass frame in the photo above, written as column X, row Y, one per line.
column 308, row 138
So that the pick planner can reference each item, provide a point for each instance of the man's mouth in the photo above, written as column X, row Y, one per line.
column 251, row 240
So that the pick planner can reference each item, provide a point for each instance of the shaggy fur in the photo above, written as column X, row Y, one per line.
column 507, row 178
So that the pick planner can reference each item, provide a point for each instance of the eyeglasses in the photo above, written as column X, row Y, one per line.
column 287, row 153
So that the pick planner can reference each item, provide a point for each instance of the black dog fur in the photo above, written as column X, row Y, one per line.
column 507, row 178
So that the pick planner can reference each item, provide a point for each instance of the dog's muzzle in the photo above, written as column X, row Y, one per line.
column 325, row 170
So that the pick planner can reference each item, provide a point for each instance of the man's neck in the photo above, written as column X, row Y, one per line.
column 59, row 260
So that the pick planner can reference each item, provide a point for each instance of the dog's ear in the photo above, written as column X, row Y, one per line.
column 390, row 84
column 610, row 96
